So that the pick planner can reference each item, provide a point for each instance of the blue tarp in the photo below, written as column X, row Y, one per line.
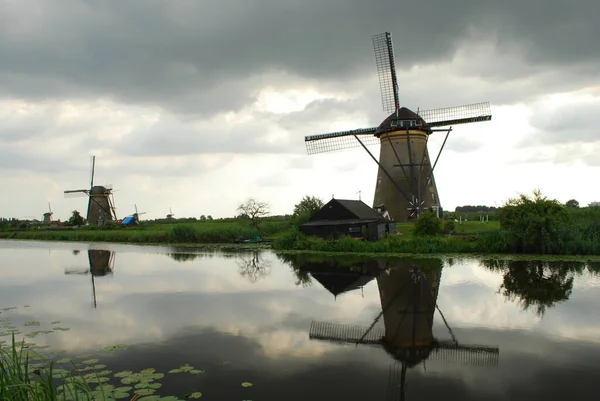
column 128, row 220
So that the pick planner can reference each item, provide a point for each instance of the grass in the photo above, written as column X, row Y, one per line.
column 20, row 382
column 208, row 232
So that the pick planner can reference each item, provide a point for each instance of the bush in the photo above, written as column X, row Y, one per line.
column 449, row 226
column 427, row 224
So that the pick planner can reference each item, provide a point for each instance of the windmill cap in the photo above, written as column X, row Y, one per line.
column 98, row 189
column 403, row 114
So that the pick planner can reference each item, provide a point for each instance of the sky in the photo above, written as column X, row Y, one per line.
column 198, row 105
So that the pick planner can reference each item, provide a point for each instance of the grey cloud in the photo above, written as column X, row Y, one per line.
column 207, row 57
column 567, row 124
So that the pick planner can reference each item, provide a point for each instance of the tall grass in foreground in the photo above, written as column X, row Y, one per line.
column 20, row 382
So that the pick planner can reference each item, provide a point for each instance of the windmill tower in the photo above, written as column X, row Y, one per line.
column 101, row 264
column 101, row 203
column 408, row 300
column 405, row 183
column 48, row 216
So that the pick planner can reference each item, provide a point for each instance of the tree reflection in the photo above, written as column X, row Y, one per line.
column 536, row 284
column 183, row 257
column 253, row 266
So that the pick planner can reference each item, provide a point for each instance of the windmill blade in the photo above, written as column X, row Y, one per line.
column 470, row 113
column 386, row 69
column 92, row 171
column 340, row 140
column 76, row 193
column 446, row 351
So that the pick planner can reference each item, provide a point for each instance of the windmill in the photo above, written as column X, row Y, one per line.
column 137, row 214
column 101, row 203
column 170, row 215
column 48, row 216
column 408, row 300
column 101, row 263
column 405, row 183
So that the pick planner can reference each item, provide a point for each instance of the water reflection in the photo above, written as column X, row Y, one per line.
column 253, row 266
column 537, row 284
column 101, row 263
column 408, row 292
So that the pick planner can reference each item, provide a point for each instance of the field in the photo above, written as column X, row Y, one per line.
column 216, row 231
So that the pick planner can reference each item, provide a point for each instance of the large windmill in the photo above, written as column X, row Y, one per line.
column 101, row 262
column 405, row 184
column 101, row 204
column 408, row 298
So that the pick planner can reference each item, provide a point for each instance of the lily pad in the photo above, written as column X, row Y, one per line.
column 55, row 322
column 84, row 356
column 196, row 371
column 167, row 398
column 148, row 370
column 61, row 328
column 31, row 323
column 64, row 360
column 91, row 361
column 145, row 391
column 194, row 395
column 152, row 398
column 246, row 384
column 142, row 385
column 9, row 308
column 100, row 366
column 124, row 389
column 119, row 396
column 155, row 386
column 124, row 373
column 112, row 348
column 186, row 367
column 175, row 371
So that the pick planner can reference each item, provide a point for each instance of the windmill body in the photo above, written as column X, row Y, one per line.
column 48, row 216
column 405, row 185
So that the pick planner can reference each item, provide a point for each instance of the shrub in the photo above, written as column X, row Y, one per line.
column 427, row 224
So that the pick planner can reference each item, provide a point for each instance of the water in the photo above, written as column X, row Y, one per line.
column 243, row 322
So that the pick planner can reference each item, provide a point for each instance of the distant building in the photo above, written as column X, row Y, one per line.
column 348, row 217
column 594, row 204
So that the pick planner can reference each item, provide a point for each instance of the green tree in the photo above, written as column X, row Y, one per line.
column 572, row 203
column 76, row 219
column 427, row 224
column 306, row 208
column 535, row 224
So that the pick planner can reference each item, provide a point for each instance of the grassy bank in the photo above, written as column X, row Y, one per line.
column 207, row 232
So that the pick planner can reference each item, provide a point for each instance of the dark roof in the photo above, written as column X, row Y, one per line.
column 360, row 209
column 338, row 222
column 338, row 283
column 403, row 114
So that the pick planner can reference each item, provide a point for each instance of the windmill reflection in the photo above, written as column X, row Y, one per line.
column 101, row 263
column 408, row 296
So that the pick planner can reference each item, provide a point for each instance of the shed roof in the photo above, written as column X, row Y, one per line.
column 360, row 209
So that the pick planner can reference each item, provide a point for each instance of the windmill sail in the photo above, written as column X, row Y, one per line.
column 386, row 69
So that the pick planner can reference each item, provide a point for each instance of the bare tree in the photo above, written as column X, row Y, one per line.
column 256, row 211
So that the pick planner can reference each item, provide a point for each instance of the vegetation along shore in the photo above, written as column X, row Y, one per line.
column 528, row 224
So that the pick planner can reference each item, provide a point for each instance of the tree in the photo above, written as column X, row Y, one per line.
column 255, row 211
column 572, row 203
column 307, row 207
column 427, row 224
column 76, row 219
column 535, row 224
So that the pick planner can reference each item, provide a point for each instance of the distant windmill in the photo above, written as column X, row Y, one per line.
column 137, row 214
column 170, row 216
column 101, row 264
column 48, row 216
column 101, row 203
column 408, row 300
column 405, row 183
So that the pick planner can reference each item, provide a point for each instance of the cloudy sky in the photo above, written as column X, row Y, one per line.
column 197, row 105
